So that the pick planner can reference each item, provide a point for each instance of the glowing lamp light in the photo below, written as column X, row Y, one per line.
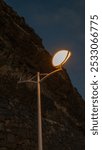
column 60, row 58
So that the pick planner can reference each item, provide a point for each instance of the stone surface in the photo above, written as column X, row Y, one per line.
column 22, row 54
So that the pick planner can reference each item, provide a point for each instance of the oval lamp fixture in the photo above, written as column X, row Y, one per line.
column 60, row 58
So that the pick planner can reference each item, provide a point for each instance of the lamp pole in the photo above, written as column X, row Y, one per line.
column 40, row 143
column 40, row 147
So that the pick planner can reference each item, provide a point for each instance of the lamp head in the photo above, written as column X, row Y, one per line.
column 60, row 58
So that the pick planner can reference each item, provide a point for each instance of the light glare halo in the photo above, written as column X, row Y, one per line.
column 60, row 57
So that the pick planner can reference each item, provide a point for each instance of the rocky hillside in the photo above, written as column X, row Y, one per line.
column 22, row 54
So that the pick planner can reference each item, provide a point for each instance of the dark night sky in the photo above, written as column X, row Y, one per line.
column 60, row 23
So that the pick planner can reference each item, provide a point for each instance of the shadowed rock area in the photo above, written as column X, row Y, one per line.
column 22, row 54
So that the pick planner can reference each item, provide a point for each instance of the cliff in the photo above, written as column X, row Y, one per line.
column 22, row 54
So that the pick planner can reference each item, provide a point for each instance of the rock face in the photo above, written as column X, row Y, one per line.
column 22, row 55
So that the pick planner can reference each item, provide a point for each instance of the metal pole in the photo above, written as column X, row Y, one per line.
column 39, row 114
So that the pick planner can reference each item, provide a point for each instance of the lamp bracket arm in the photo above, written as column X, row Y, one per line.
column 51, row 73
column 27, row 81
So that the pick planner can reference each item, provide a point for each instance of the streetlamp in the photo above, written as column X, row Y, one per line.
column 58, row 60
